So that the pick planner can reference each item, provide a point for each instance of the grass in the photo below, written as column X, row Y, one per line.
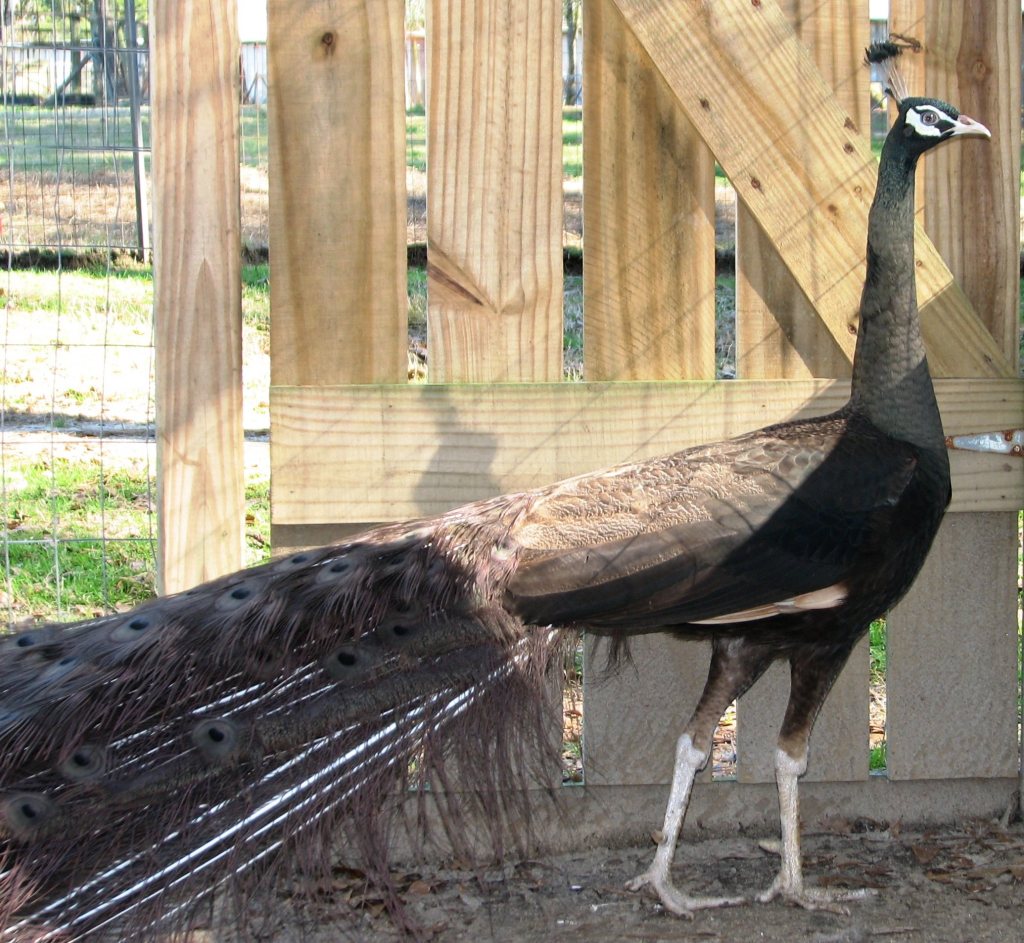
column 256, row 297
column 59, row 566
column 79, row 533
column 78, row 140
column 876, row 640
column 54, row 510
column 98, row 140
column 572, row 141
column 877, row 759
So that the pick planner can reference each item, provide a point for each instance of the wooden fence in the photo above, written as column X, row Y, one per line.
column 670, row 87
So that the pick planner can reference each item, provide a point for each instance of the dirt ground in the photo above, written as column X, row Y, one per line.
column 956, row 885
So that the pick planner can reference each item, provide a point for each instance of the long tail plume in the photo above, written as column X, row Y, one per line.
column 186, row 757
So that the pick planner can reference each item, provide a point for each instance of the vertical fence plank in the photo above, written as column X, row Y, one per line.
column 494, row 190
column 778, row 334
column 649, row 210
column 337, row 202
column 197, row 291
column 337, row 195
column 952, row 642
column 649, row 313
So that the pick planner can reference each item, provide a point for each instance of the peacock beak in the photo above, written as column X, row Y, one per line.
column 968, row 127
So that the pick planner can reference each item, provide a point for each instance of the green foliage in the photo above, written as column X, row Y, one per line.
column 257, row 521
column 53, row 509
column 877, row 642
column 256, row 297
column 44, row 13
column 572, row 141
column 416, row 140
column 877, row 759
column 95, row 298
column 417, row 287
column 77, row 142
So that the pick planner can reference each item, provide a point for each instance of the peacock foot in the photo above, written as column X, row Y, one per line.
column 673, row 899
column 813, row 898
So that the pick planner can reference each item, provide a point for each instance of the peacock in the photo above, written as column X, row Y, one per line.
column 210, row 746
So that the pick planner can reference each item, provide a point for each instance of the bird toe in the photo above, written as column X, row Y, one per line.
column 829, row 900
column 674, row 900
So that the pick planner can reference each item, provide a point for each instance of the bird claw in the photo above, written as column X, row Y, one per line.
column 814, row 898
column 674, row 900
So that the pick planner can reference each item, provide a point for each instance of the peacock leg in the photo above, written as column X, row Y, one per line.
column 811, row 681
column 735, row 665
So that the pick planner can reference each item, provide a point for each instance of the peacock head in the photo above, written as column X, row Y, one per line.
column 921, row 123
column 925, row 122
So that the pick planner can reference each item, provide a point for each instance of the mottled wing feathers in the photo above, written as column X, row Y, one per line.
column 709, row 531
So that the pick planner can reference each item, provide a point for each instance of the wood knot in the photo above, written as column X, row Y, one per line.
column 848, row 147
column 705, row 104
column 833, row 209
column 858, row 189
column 755, row 183
column 849, row 125
column 327, row 42
column 755, row 3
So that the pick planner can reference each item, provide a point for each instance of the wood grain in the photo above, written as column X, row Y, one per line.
column 799, row 163
column 778, row 333
column 392, row 452
column 649, row 216
column 971, row 195
column 197, row 291
column 337, row 194
column 494, row 190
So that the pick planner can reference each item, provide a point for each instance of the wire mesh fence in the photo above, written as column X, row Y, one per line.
column 76, row 406
column 77, row 445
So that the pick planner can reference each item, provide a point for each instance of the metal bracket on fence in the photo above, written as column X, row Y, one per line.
column 1008, row 442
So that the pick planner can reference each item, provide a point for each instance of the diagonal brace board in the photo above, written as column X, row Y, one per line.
column 754, row 94
column 392, row 452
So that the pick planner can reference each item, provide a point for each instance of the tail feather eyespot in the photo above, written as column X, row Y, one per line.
column 85, row 763
column 217, row 739
column 27, row 814
column 351, row 662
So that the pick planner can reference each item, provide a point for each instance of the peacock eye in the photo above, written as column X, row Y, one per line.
column 929, row 117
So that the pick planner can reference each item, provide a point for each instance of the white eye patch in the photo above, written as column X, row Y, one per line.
column 928, row 121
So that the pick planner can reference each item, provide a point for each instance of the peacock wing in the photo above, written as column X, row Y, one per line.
column 722, row 533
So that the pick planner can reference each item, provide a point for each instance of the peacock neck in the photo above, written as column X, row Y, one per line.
column 891, row 383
